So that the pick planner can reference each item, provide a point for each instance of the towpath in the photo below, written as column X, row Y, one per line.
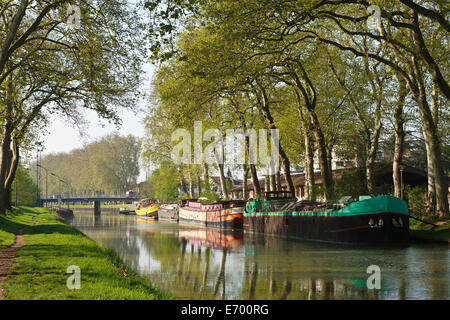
column 6, row 258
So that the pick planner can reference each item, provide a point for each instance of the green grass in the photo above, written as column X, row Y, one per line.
column 423, row 232
column 52, row 246
column 11, row 223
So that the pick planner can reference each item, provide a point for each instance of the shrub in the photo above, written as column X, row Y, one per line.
column 416, row 199
column 350, row 184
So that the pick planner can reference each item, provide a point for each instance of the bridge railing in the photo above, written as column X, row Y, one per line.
column 84, row 196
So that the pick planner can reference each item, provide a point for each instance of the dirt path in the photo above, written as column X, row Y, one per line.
column 6, row 258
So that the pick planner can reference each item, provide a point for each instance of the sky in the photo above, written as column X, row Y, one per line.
column 62, row 137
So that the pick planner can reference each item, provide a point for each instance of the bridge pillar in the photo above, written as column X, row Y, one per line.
column 97, row 207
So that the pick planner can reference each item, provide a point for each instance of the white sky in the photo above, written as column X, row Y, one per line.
column 64, row 138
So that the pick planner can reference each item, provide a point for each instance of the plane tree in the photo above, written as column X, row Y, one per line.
column 412, row 41
column 406, row 40
column 52, row 62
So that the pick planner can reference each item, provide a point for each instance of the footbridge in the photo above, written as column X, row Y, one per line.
column 95, row 198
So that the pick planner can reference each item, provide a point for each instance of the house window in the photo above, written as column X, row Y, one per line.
column 340, row 164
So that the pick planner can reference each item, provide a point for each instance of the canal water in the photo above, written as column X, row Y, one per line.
column 193, row 262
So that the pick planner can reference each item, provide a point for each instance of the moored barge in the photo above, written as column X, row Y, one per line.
column 226, row 214
column 147, row 208
column 380, row 220
column 168, row 212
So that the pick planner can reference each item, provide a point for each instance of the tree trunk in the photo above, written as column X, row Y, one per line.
column 245, row 183
column 310, row 105
column 256, row 185
column 5, row 165
column 309, row 153
column 199, row 185
column 273, row 182
column 432, row 142
column 372, row 149
column 429, row 128
column 431, row 188
column 206, row 177
column 330, row 162
column 309, row 168
column 8, row 167
column 327, row 179
column 246, row 169
column 278, row 180
column 323, row 159
column 287, row 172
column 182, row 184
column 14, row 163
column 223, row 184
column 435, row 168
column 191, row 186
column 266, row 183
column 399, row 137
column 265, row 111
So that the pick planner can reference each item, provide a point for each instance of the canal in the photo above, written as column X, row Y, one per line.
column 192, row 262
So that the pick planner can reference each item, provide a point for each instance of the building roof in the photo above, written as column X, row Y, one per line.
column 383, row 170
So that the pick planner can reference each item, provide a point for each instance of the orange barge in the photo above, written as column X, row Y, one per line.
column 225, row 214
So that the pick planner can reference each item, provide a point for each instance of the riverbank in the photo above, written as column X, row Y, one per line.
column 52, row 246
column 422, row 232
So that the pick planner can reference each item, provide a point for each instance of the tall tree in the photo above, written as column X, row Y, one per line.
column 38, row 51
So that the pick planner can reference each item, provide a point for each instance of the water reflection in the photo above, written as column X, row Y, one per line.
column 205, row 263
column 213, row 237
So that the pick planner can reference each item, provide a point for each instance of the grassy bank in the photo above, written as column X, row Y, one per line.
column 13, row 222
column 52, row 246
column 423, row 232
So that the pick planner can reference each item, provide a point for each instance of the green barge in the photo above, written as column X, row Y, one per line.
column 380, row 220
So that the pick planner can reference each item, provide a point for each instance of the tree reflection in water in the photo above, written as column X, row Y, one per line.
column 205, row 270
column 206, row 263
column 221, row 275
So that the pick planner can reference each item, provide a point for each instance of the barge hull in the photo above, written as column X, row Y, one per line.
column 168, row 214
column 386, row 228
column 224, row 218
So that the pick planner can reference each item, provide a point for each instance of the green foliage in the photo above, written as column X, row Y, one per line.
column 163, row 183
column 318, row 66
column 166, row 16
column 416, row 199
column 350, row 184
column 109, row 165
column 24, row 188
column 383, row 189
column 229, row 185
column 50, row 67
column 211, row 195
column 316, row 190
